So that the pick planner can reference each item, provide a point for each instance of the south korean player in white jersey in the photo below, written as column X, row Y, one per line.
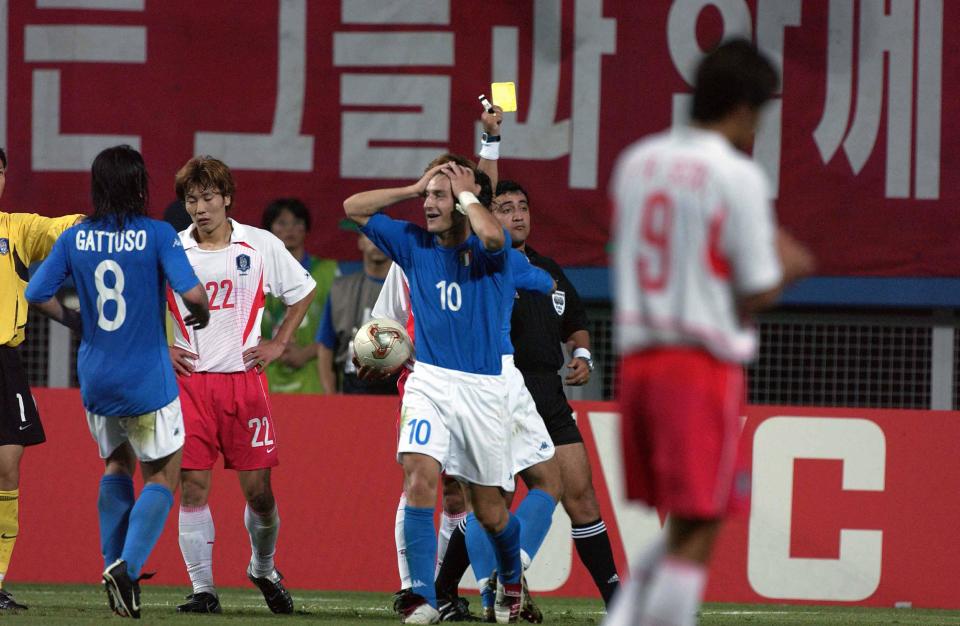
column 697, row 253
column 455, row 406
column 223, row 389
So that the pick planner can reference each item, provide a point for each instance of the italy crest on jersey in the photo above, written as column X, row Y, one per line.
column 559, row 302
column 4, row 245
column 243, row 263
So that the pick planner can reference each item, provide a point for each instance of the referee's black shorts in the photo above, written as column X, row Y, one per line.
column 547, row 391
column 19, row 418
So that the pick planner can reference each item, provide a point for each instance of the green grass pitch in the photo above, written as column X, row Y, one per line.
column 80, row 605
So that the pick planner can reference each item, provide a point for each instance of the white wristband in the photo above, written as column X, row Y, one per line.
column 581, row 353
column 490, row 150
column 465, row 199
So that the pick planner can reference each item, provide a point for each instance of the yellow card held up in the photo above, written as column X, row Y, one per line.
column 504, row 96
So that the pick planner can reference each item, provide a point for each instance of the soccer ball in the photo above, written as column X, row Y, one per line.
column 382, row 344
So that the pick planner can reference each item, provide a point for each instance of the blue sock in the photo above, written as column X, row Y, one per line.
column 114, row 504
column 146, row 523
column 483, row 556
column 421, row 536
column 535, row 514
column 507, row 542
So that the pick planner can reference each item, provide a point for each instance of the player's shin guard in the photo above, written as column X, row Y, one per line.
column 421, row 539
column 593, row 547
column 483, row 556
column 263, row 531
column 9, row 527
column 507, row 543
column 455, row 562
column 197, row 535
column 448, row 524
column 398, row 536
column 114, row 503
column 146, row 523
column 535, row 514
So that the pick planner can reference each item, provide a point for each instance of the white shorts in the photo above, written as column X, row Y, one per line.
column 152, row 436
column 461, row 420
column 530, row 442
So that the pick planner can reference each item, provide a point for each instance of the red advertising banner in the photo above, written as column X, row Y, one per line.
column 323, row 99
column 849, row 506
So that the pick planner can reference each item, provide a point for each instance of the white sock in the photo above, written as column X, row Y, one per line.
column 405, row 581
column 448, row 524
column 263, row 531
column 196, row 545
column 675, row 593
column 627, row 602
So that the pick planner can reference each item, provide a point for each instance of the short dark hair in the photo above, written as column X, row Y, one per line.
column 511, row 186
column 205, row 172
column 278, row 206
column 486, row 186
column 3, row 157
column 732, row 74
column 119, row 185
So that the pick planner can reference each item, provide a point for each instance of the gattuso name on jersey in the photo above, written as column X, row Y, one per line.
column 105, row 241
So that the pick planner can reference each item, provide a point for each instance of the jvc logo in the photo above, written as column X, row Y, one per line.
column 778, row 442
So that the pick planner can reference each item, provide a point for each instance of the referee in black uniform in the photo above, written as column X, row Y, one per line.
column 540, row 324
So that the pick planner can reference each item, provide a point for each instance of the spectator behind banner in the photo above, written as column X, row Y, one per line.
column 176, row 215
column 348, row 307
column 295, row 371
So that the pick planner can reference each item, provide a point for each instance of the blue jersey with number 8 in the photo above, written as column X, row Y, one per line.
column 123, row 364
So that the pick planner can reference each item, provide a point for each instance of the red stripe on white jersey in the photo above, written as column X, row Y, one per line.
column 175, row 312
column 258, row 301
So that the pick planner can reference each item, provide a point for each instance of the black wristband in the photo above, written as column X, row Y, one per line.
column 489, row 138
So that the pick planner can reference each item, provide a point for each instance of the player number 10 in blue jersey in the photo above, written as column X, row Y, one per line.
column 450, row 297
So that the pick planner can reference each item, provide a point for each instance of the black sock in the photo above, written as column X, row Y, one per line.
column 593, row 547
column 455, row 563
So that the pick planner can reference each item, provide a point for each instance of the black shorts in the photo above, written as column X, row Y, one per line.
column 19, row 418
column 552, row 405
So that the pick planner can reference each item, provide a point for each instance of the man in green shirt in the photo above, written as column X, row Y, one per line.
column 296, row 370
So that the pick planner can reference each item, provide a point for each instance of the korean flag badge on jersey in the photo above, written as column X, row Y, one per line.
column 4, row 245
column 243, row 263
column 559, row 302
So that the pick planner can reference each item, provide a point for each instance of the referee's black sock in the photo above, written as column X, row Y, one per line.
column 455, row 563
column 593, row 547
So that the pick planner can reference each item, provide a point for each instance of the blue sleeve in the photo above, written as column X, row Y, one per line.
column 325, row 332
column 527, row 276
column 395, row 238
column 173, row 259
column 495, row 258
column 53, row 271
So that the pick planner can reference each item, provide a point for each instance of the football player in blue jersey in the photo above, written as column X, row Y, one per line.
column 120, row 261
column 456, row 406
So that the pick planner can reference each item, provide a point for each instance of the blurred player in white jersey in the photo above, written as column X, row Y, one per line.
column 697, row 253
column 220, row 372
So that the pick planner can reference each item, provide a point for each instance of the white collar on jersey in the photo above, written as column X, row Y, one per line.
column 696, row 133
column 239, row 234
